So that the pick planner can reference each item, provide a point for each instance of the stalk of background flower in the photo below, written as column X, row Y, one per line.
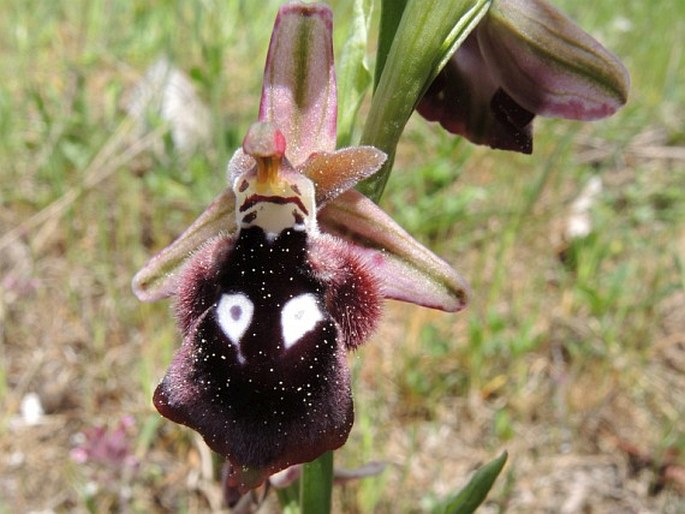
column 427, row 34
column 391, row 15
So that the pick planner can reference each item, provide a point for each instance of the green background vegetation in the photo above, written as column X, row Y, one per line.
column 571, row 356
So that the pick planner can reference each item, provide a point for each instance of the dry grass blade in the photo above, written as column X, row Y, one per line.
column 119, row 150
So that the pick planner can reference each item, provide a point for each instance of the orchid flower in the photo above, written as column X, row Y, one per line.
column 524, row 58
column 284, row 272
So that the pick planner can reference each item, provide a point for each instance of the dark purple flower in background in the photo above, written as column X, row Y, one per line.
column 524, row 58
column 284, row 273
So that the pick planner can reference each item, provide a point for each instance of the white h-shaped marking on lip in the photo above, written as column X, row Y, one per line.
column 299, row 316
column 234, row 315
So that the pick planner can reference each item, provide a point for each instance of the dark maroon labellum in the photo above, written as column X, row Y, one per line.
column 262, row 372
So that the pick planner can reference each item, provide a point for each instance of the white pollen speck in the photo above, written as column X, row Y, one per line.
column 299, row 316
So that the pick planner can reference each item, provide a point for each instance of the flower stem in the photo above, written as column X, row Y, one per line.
column 426, row 35
column 316, row 485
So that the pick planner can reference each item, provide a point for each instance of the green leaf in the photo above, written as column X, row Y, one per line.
column 354, row 77
column 428, row 33
column 391, row 14
column 288, row 499
column 475, row 492
column 316, row 485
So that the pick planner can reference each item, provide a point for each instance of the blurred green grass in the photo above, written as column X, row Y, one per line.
column 580, row 341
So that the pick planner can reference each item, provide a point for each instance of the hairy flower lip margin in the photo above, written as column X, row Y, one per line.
column 524, row 58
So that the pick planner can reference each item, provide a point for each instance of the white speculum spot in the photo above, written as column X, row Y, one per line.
column 299, row 316
column 234, row 315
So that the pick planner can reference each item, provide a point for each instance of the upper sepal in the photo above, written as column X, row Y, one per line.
column 299, row 90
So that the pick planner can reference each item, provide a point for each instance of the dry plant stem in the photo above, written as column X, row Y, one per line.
column 105, row 163
column 58, row 128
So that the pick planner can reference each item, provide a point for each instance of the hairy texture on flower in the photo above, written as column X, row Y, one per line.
column 259, row 398
column 198, row 283
column 353, row 294
column 159, row 277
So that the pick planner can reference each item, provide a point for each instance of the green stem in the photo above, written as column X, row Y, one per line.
column 289, row 499
column 428, row 32
column 316, row 485
column 391, row 14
